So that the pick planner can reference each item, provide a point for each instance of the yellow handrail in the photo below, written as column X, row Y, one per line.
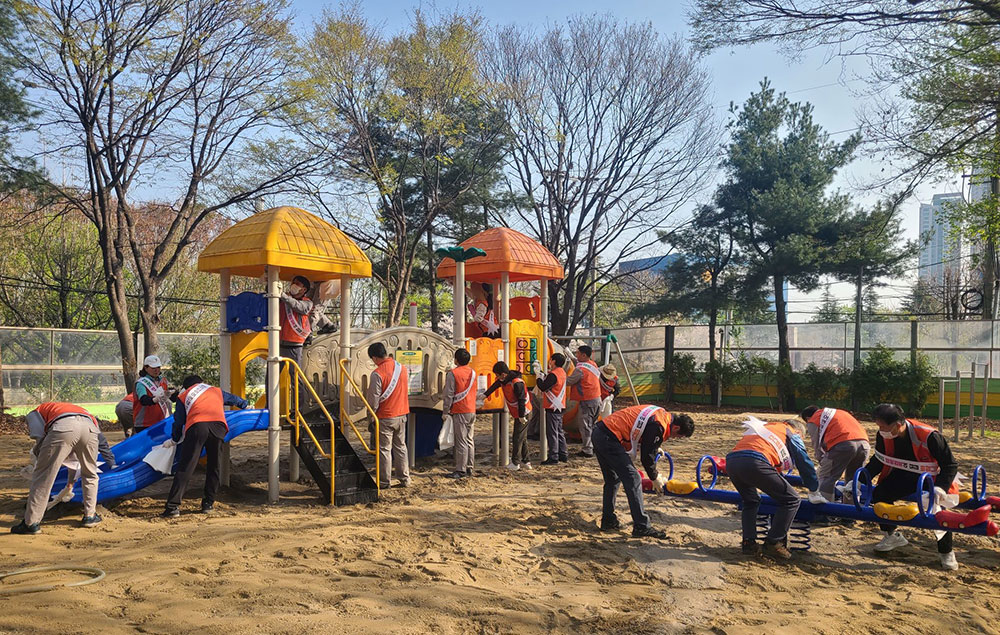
column 299, row 420
column 345, row 374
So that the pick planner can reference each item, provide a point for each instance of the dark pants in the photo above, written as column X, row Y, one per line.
column 750, row 474
column 616, row 466
column 519, row 451
column 294, row 351
column 556, row 435
column 207, row 435
column 898, row 485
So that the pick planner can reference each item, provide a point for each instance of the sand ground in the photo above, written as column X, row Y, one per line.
column 499, row 553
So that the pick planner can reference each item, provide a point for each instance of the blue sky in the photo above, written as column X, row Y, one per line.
column 830, row 85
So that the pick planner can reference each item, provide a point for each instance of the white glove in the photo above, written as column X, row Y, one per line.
column 659, row 483
column 28, row 470
column 536, row 368
column 816, row 498
column 480, row 398
column 169, row 443
column 65, row 495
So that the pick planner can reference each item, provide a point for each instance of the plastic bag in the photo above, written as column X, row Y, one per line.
column 161, row 459
column 606, row 407
column 446, row 438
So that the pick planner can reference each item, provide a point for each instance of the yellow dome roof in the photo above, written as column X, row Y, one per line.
column 298, row 242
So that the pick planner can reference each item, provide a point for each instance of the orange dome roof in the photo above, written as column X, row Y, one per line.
column 506, row 250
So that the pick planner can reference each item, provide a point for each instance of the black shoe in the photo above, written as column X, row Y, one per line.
column 563, row 458
column 586, row 455
column 470, row 472
column 612, row 524
column 648, row 532
column 170, row 513
column 549, row 462
column 27, row 530
column 455, row 475
column 207, row 509
column 750, row 548
column 92, row 521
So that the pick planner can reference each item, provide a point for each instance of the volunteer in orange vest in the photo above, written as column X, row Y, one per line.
column 586, row 383
column 904, row 449
column 638, row 430
column 296, row 327
column 199, row 423
column 460, row 404
column 609, row 382
column 66, row 429
column 389, row 394
column 552, row 385
column 758, row 462
column 151, row 400
column 482, row 310
column 840, row 445
column 515, row 395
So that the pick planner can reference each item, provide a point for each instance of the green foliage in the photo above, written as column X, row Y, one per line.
column 718, row 374
column 681, row 370
column 882, row 378
column 194, row 359
column 822, row 385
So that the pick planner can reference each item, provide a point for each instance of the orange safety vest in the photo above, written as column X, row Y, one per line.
column 397, row 402
column 488, row 323
column 918, row 434
column 758, row 443
column 465, row 379
column 295, row 327
column 145, row 416
column 557, row 393
column 842, row 426
column 590, row 383
column 54, row 410
column 203, row 403
column 608, row 386
column 628, row 424
column 511, row 398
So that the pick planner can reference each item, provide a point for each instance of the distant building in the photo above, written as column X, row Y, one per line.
column 941, row 254
column 656, row 264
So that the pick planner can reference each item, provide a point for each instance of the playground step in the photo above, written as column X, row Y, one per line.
column 353, row 483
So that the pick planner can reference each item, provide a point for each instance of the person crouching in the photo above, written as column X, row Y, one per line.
column 623, row 434
column 199, row 423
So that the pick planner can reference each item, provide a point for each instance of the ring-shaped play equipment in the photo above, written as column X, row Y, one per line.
column 715, row 473
column 979, row 484
column 96, row 576
column 860, row 499
column 924, row 477
column 670, row 462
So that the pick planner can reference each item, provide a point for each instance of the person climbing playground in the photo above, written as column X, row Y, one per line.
column 482, row 310
column 638, row 430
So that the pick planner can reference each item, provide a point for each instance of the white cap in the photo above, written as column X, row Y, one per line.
column 152, row 361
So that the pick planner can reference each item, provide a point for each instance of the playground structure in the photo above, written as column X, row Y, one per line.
column 916, row 513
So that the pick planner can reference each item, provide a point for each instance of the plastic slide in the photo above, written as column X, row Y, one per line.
column 131, row 474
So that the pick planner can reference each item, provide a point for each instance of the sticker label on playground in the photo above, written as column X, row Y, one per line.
column 414, row 362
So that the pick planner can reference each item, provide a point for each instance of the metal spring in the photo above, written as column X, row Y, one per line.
column 799, row 534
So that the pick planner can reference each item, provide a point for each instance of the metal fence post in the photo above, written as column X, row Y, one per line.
column 958, row 402
column 913, row 344
column 52, row 364
column 668, row 359
column 986, row 396
column 972, row 399
column 941, row 381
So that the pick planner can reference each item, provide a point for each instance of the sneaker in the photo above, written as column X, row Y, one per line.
column 470, row 472
column 92, row 521
column 384, row 485
column 891, row 541
column 27, row 530
column 456, row 475
column 612, row 524
column 207, row 508
column 776, row 551
column 405, row 483
column 750, row 548
column 648, row 532
column 586, row 455
column 550, row 462
column 513, row 467
column 948, row 561
column 526, row 466
column 563, row 458
column 170, row 513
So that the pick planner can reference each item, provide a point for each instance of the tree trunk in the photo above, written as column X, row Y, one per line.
column 786, row 394
column 118, row 302
column 713, row 319
column 857, row 329
column 431, row 290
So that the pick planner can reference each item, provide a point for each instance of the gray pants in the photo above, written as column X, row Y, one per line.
column 750, row 474
column 71, row 435
column 123, row 411
column 465, row 442
column 392, row 450
column 846, row 456
column 586, row 416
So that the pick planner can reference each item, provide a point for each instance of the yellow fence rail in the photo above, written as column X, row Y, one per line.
column 345, row 377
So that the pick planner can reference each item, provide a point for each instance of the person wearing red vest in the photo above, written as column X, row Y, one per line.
column 294, row 316
column 904, row 449
column 586, row 383
column 151, row 400
column 552, row 385
column 609, row 382
column 460, row 404
column 515, row 395
column 65, row 429
column 199, row 423
column 482, row 310
column 389, row 395
column 758, row 462
column 840, row 445
column 638, row 430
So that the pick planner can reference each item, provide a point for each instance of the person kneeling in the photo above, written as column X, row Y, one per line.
column 199, row 423
column 753, row 465
column 617, row 439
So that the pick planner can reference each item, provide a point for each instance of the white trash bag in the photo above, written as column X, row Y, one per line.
column 446, row 439
column 161, row 458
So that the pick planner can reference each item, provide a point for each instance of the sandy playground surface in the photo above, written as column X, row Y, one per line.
column 500, row 553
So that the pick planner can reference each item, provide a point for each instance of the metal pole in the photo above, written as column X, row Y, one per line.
column 972, row 400
column 958, row 402
column 345, row 353
column 458, row 329
column 273, row 395
column 986, row 397
column 941, row 381
column 225, row 370
column 543, row 439
column 505, row 336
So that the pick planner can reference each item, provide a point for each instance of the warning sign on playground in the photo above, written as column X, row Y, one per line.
column 414, row 362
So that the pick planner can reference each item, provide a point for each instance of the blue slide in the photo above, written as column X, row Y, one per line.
column 131, row 474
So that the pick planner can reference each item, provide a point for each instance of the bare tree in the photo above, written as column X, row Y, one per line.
column 155, row 96
column 613, row 132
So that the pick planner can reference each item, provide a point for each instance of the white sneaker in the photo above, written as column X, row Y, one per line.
column 513, row 467
column 891, row 541
column 949, row 561
column 526, row 466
